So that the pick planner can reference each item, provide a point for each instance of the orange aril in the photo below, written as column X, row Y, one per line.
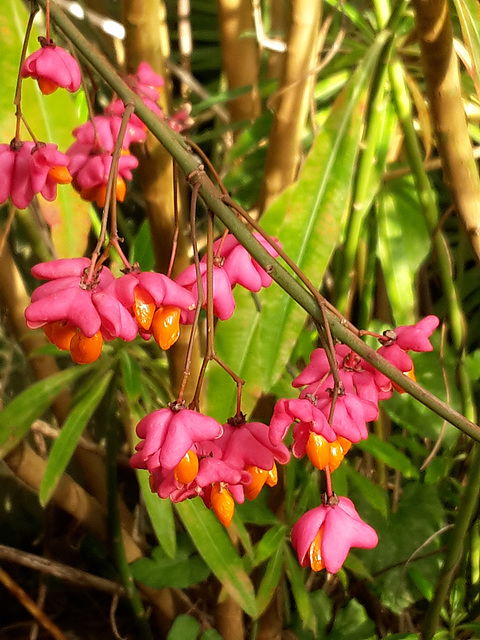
column 187, row 469
column 410, row 374
column 60, row 334
column 318, row 450
column 60, row 174
column 166, row 326
column 316, row 558
column 99, row 192
column 47, row 86
column 259, row 477
column 85, row 350
column 272, row 477
column 345, row 444
column 336, row 455
column 143, row 307
column 222, row 503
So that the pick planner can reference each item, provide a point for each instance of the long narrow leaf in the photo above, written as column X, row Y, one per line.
column 52, row 119
column 217, row 550
column 17, row 417
column 309, row 219
column 72, row 429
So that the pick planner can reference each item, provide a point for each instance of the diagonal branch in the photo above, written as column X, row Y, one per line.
column 212, row 197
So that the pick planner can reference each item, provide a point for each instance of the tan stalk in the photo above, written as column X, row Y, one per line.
column 240, row 56
column 293, row 101
column 146, row 39
column 440, row 66
column 278, row 18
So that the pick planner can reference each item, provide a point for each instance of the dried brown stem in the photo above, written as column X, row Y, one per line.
column 440, row 65
column 31, row 606
column 60, row 570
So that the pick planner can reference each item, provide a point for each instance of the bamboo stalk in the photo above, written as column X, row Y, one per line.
column 442, row 78
column 292, row 102
column 240, row 56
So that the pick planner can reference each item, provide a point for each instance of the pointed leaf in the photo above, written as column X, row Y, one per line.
column 467, row 12
column 184, row 628
column 270, row 580
column 52, row 119
column 72, row 429
column 216, row 548
column 302, row 599
column 388, row 454
column 160, row 511
column 308, row 218
column 403, row 245
column 17, row 417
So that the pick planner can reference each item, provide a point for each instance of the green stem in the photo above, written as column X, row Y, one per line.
column 465, row 514
column 115, row 527
column 212, row 197
column 365, row 190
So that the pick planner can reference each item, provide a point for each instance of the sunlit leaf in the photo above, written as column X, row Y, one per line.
column 403, row 245
column 52, row 119
column 309, row 219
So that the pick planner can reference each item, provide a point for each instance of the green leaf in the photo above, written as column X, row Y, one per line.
column 180, row 572
column 414, row 416
column 270, row 580
column 211, row 634
column 160, row 511
column 131, row 374
column 184, row 628
column 302, row 600
column 17, row 417
column 52, row 119
column 216, row 548
column 309, row 219
column 376, row 495
column 72, row 429
column 388, row 454
column 142, row 250
column 403, row 245
column 352, row 622
column 269, row 543
column 161, row 514
column 424, row 585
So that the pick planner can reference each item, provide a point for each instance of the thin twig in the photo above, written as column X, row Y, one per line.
column 25, row 600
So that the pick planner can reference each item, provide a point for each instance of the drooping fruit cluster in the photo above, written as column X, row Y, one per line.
column 81, row 305
column 79, row 308
column 189, row 454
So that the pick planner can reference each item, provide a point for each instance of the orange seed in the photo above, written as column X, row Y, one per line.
column 166, row 326
column 143, row 307
column 86, row 350
column 187, row 469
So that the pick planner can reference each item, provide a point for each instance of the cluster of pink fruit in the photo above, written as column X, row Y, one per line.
column 81, row 306
column 31, row 168
column 189, row 454
column 186, row 453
